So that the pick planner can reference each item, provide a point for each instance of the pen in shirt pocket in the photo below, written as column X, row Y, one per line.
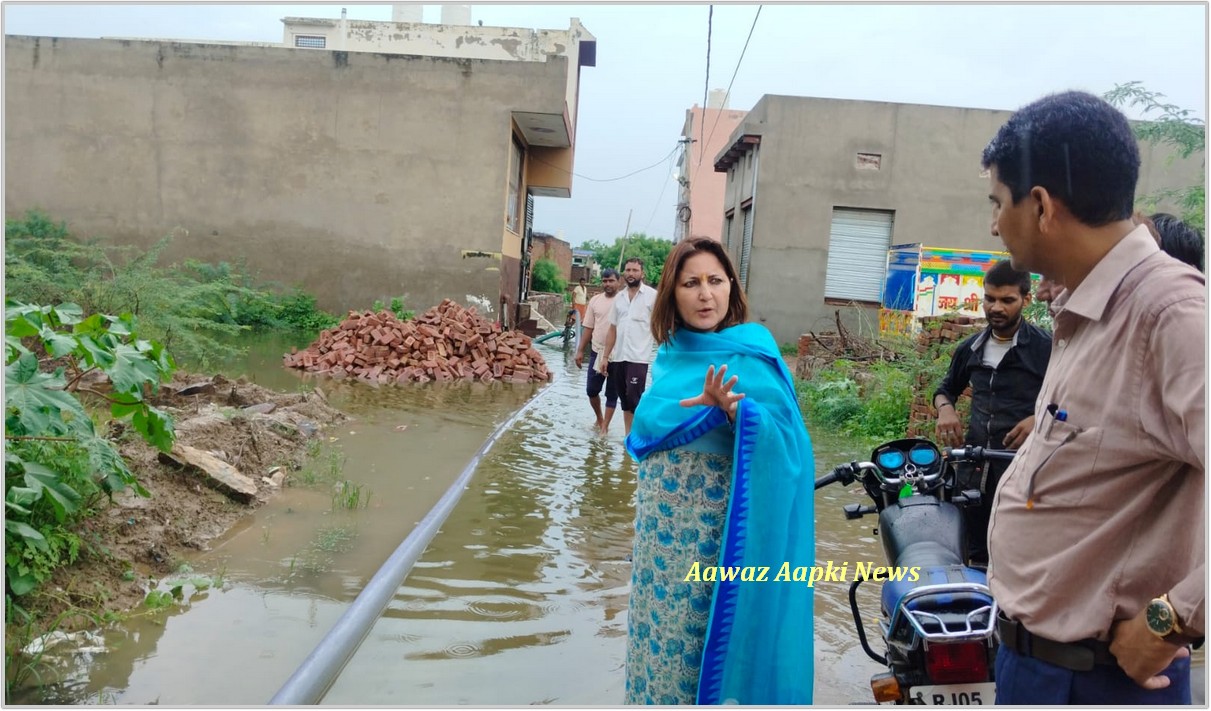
column 1057, row 415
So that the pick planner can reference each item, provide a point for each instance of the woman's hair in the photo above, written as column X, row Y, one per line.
column 665, row 319
column 1178, row 239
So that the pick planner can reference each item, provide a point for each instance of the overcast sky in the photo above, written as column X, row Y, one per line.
column 652, row 64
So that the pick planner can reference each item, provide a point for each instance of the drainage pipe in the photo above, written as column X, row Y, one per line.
column 315, row 676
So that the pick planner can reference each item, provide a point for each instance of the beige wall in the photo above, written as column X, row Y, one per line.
column 930, row 175
column 359, row 176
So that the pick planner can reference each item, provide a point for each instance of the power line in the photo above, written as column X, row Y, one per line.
column 706, row 89
column 605, row 180
column 658, row 199
column 729, row 90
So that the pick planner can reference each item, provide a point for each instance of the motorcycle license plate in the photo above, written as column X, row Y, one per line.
column 982, row 694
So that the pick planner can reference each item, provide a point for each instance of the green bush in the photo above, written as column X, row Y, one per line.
column 397, row 308
column 55, row 461
column 195, row 309
column 546, row 278
column 871, row 402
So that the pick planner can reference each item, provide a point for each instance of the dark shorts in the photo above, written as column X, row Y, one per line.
column 632, row 381
column 597, row 380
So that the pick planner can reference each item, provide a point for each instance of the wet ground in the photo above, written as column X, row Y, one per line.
column 521, row 599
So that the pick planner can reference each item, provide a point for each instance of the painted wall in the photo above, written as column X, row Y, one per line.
column 702, row 189
column 929, row 174
column 359, row 176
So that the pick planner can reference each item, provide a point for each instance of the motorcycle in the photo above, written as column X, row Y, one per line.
column 937, row 616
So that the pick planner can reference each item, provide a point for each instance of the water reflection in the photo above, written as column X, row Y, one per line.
column 521, row 599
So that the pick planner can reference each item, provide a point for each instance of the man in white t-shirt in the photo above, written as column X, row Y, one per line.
column 596, row 329
column 580, row 297
column 629, row 345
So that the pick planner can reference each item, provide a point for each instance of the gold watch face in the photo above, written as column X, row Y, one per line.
column 1159, row 616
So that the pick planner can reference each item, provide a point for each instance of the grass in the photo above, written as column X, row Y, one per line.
column 347, row 495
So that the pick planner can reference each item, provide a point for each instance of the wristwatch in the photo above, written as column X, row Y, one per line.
column 1162, row 618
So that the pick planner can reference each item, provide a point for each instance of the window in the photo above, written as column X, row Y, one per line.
column 517, row 163
column 727, row 232
column 746, row 246
column 868, row 161
column 857, row 254
column 310, row 41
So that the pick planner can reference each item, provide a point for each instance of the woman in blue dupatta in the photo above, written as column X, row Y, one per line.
column 724, row 499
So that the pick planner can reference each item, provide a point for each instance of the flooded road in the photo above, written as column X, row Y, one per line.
column 521, row 599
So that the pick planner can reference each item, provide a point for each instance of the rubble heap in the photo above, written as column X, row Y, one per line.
column 445, row 343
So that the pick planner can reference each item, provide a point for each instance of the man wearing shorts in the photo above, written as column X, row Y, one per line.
column 629, row 345
column 596, row 329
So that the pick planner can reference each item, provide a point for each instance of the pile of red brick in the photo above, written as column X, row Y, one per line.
column 445, row 343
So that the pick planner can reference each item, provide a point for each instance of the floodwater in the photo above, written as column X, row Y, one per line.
column 520, row 599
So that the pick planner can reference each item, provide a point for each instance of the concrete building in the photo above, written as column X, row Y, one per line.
column 359, row 175
column 700, row 197
column 818, row 189
column 585, row 266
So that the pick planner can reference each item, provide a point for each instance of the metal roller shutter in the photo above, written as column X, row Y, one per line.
column 857, row 254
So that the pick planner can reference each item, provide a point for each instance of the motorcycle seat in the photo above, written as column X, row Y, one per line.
column 928, row 554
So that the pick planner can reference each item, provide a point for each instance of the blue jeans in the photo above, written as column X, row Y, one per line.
column 1026, row 680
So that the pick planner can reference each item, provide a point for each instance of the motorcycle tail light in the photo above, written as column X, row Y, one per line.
column 885, row 687
column 957, row 663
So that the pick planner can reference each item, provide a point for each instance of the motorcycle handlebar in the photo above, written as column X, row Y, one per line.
column 978, row 455
column 845, row 473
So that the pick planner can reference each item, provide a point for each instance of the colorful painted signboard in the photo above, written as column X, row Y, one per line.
column 932, row 281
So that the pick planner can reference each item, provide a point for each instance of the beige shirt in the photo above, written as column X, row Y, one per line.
column 597, row 317
column 579, row 295
column 1119, row 509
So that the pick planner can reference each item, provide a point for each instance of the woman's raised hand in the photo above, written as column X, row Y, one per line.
column 717, row 393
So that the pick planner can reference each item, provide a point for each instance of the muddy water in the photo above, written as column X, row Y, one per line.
column 521, row 599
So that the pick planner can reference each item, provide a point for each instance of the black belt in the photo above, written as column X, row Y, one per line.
column 1079, row 656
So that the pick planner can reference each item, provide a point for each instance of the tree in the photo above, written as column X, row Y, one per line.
column 546, row 278
column 1166, row 124
column 652, row 250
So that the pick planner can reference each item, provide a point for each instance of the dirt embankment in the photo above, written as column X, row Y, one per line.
column 261, row 434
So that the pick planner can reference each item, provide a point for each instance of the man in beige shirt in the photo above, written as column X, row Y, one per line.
column 596, row 328
column 1097, row 535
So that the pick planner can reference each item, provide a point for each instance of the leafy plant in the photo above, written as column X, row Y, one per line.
column 1167, row 124
column 55, row 460
column 397, row 308
column 194, row 308
column 546, row 277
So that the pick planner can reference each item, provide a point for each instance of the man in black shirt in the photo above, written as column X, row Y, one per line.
column 1004, row 364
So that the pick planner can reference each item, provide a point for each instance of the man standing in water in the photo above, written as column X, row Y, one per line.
column 1004, row 364
column 596, row 328
column 629, row 346
column 580, row 297
column 1097, row 537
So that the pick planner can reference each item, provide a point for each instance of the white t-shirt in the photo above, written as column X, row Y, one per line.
column 633, row 320
column 995, row 350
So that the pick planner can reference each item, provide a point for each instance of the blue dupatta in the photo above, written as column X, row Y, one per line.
column 759, row 643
